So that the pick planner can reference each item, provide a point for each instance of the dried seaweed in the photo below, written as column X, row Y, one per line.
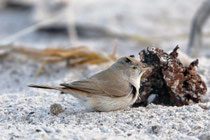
column 74, row 56
column 170, row 82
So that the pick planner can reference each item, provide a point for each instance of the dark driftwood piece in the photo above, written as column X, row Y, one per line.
column 169, row 83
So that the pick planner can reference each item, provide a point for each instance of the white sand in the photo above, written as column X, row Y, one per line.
column 25, row 112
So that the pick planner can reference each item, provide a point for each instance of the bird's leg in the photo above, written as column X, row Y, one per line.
column 199, row 20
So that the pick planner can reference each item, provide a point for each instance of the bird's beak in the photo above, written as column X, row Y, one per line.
column 146, row 69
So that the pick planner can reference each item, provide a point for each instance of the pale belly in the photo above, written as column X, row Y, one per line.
column 106, row 103
column 102, row 103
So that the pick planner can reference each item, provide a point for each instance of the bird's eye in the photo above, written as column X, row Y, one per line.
column 134, row 67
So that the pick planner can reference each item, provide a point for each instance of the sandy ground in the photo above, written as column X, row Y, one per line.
column 25, row 113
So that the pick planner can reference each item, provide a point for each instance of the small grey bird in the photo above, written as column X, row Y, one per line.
column 112, row 89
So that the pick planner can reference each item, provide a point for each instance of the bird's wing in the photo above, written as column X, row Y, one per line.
column 100, row 87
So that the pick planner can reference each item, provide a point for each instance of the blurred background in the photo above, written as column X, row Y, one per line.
column 135, row 25
column 32, row 31
column 95, row 23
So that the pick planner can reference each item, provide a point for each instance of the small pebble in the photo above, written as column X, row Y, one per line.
column 56, row 109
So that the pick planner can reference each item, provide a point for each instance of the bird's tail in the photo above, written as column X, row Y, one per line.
column 64, row 89
column 49, row 87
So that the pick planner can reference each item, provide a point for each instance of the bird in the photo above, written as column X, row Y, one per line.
column 112, row 89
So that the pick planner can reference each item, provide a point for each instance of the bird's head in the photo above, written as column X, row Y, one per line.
column 130, row 67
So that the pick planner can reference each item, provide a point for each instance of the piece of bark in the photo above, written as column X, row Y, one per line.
column 170, row 82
